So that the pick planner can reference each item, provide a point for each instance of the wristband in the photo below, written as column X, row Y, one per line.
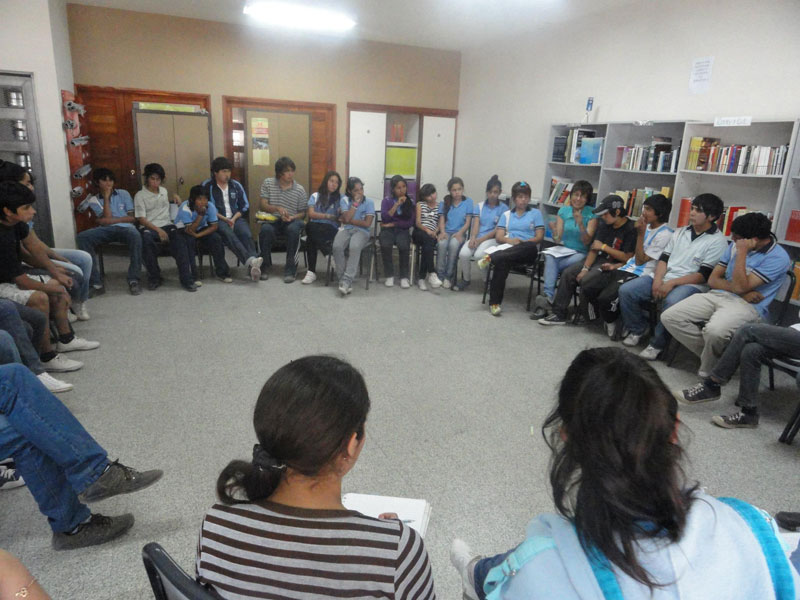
column 585, row 268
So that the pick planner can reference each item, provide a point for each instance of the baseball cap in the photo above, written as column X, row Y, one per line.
column 612, row 202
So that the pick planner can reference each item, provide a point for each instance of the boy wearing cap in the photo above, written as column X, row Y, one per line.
column 682, row 270
column 615, row 241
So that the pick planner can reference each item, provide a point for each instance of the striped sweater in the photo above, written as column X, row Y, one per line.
column 269, row 550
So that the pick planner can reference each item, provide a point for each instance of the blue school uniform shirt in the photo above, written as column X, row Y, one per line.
column 366, row 208
column 333, row 209
column 457, row 215
column 770, row 264
column 187, row 216
column 571, row 238
column 489, row 216
column 121, row 204
column 524, row 227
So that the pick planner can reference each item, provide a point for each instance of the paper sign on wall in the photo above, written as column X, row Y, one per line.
column 259, row 130
column 700, row 77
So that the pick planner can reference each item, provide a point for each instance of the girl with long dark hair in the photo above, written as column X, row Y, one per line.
column 324, row 214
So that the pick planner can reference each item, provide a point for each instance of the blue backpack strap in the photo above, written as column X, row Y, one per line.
column 605, row 577
column 779, row 569
column 498, row 576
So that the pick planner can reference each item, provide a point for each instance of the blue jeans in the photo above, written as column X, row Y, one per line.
column 448, row 249
column 80, row 263
column 238, row 238
column 8, row 349
column 292, row 230
column 482, row 568
column 634, row 294
column 54, row 454
column 552, row 269
column 127, row 234
column 12, row 324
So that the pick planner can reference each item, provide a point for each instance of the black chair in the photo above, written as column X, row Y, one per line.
column 368, row 252
column 532, row 271
column 168, row 580
column 790, row 366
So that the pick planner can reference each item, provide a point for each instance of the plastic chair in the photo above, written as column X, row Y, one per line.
column 168, row 580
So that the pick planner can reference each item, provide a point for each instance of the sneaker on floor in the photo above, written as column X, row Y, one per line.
column 255, row 267
column 227, row 279
column 484, row 262
column 289, row 278
column 649, row 353
column 77, row 344
column 463, row 559
column 698, row 393
column 422, row 286
column 552, row 319
column 611, row 328
column 389, row 282
column 310, row 277
column 405, row 283
column 154, row 284
column 580, row 320
column 702, row 374
column 632, row 339
column 434, row 281
column 192, row 287
column 343, row 289
column 98, row 530
column 119, row 479
column 53, row 384
column 71, row 317
column 460, row 287
column 736, row 421
column 495, row 309
column 446, row 284
column 9, row 479
column 198, row 283
column 264, row 275
column 134, row 288
column 79, row 308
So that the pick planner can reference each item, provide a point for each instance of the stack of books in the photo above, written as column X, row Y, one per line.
column 658, row 156
column 567, row 148
column 706, row 154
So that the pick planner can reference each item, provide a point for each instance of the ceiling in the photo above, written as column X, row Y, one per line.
column 445, row 24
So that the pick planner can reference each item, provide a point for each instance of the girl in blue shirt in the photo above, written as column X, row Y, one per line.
column 358, row 213
column 324, row 213
column 522, row 228
column 574, row 229
column 455, row 215
column 486, row 215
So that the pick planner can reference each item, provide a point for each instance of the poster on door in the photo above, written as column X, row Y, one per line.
column 259, row 130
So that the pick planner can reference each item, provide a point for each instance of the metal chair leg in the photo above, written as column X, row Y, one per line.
column 791, row 427
column 488, row 280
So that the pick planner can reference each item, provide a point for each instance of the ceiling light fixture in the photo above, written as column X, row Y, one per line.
column 295, row 16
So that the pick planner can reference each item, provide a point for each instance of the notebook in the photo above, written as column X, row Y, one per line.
column 413, row 512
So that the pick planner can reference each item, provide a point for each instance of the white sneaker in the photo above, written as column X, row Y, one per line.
column 434, row 280
column 632, row 339
column 198, row 283
column 611, row 328
column 53, row 384
column 343, row 289
column 389, row 282
column 405, row 283
column 310, row 277
column 422, row 286
column 71, row 317
column 79, row 308
column 62, row 364
column 77, row 344
column 462, row 558
column 446, row 284
column 650, row 353
column 255, row 268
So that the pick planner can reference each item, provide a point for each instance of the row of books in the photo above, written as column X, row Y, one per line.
column 723, row 223
column 706, row 154
column 634, row 199
column 658, row 156
column 579, row 146
column 560, row 190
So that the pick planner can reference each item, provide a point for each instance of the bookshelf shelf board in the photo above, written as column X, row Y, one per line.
column 402, row 144
column 796, row 177
column 638, row 172
column 743, row 175
column 789, row 243
column 569, row 164
column 794, row 302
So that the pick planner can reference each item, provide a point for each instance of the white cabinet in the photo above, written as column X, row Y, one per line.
column 368, row 151
column 438, row 149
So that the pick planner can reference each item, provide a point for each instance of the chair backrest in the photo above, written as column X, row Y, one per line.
column 168, row 580
column 784, row 296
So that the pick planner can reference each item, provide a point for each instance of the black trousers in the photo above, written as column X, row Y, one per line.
column 427, row 246
column 524, row 253
column 319, row 236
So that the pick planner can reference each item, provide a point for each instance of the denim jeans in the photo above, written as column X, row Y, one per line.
column 151, row 248
column 292, row 230
column 482, row 568
column 238, row 238
column 12, row 323
column 53, row 453
column 353, row 240
column 392, row 236
column 552, row 269
column 752, row 343
column 184, row 247
column 634, row 294
column 8, row 349
column 80, row 262
column 448, row 257
column 127, row 234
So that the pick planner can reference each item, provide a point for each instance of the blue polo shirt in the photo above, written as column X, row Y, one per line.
column 366, row 208
column 770, row 264
column 489, row 216
column 187, row 216
column 334, row 209
column 571, row 236
column 457, row 215
column 524, row 227
column 121, row 204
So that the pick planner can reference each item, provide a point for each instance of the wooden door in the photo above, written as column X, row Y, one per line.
column 438, row 151
column 192, row 151
column 367, row 159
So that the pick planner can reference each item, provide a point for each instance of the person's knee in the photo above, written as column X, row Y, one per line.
column 752, row 352
column 715, row 332
column 39, row 301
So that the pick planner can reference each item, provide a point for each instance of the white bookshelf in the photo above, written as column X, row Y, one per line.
column 569, row 170
column 791, row 193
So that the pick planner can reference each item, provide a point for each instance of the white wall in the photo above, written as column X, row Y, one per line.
column 28, row 44
column 636, row 64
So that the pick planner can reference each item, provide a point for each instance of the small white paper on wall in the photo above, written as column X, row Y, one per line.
column 700, row 77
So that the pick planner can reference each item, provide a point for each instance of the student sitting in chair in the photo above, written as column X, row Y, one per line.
column 196, row 227
column 325, row 209
column 358, row 213
column 743, row 284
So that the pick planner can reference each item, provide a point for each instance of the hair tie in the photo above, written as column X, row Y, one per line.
column 263, row 460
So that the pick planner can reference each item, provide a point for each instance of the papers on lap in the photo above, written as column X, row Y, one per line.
column 494, row 249
column 413, row 512
column 558, row 251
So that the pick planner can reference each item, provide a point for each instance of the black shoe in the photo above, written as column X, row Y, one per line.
column 190, row 287
column 134, row 288
column 154, row 284
column 119, row 479
column 289, row 278
column 698, row 393
column 538, row 313
column 264, row 274
column 736, row 420
column 580, row 320
column 98, row 530
column 552, row 319
column 788, row 520
column 93, row 291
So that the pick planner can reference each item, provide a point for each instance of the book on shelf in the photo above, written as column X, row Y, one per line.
column 699, row 149
column 634, row 199
column 658, row 156
column 558, row 186
column 559, row 149
column 793, row 228
column 575, row 139
column 728, row 215
column 591, row 151
column 706, row 154
column 684, row 209
column 796, row 290
column 415, row 513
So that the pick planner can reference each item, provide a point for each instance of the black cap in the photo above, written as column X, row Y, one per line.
column 612, row 202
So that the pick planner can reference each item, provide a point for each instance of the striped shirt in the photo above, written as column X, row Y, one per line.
column 269, row 550
column 429, row 217
column 294, row 200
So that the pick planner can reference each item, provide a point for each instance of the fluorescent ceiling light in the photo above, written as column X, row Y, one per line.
column 295, row 16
